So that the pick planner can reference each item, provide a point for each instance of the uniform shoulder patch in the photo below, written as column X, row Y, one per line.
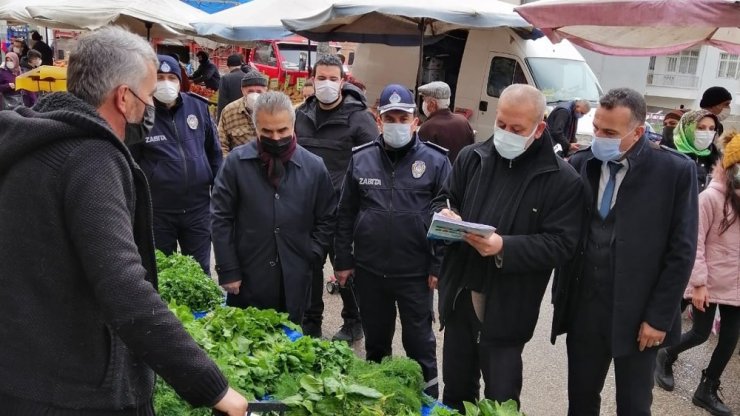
column 363, row 146
column 437, row 147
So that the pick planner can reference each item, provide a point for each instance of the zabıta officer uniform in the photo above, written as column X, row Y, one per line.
column 383, row 216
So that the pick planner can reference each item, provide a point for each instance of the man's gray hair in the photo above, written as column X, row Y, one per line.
column 584, row 103
column 105, row 59
column 273, row 102
column 527, row 93
column 626, row 97
column 442, row 103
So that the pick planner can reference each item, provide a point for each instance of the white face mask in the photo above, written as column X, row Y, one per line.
column 511, row 145
column 167, row 91
column 35, row 63
column 703, row 138
column 327, row 91
column 397, row 135
column 17, row 50
column 425, row 108
column 724, row 114
column 251, row 99
column 10, row 65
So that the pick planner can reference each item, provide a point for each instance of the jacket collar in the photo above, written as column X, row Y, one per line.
column 250, row 152
column 441, row 112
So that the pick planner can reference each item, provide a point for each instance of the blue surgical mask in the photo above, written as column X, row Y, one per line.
column 579, row 115
column 397, row 135
column 606, row 148
column 511, row 145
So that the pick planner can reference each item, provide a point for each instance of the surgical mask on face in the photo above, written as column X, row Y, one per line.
column 397, row 135
column 425, row 108
column 579, row 115
column 17, row 50
column 327, row 91
column 167, row 91
column 10, row 65
column 703, row 138
column 606, row 148
column 511, row 145
column 724, row 114
column 136, row 132
column 252, row 99
column 35, row 63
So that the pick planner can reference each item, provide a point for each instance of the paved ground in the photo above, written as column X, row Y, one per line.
column 545, row 371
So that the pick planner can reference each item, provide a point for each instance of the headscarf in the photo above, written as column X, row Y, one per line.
column 683, row 135
column 14, row 57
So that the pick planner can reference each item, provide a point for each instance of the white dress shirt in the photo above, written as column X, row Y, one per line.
column 621, row 173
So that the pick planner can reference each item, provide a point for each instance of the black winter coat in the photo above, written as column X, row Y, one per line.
column 249, row 216
column 540, row 230
column 349, row 125
column 653, row 246
column 562, row 124
column 229, row 90
column 384, row 212
column 81, row 323
column 207, row 73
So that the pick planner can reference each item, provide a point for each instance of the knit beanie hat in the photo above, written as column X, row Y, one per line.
column 168, row 65
column 732, row 150
column 713, row 96
column 253, row 78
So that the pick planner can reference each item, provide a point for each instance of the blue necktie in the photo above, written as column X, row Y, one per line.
column 606, row 198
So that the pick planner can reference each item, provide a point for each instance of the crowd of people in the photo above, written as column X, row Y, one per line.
column 22, row 59
column 128, row 161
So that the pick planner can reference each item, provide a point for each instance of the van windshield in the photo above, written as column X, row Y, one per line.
column 295, row 56
column 564, row 79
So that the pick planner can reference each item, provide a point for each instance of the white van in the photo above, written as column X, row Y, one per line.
column 478, row 65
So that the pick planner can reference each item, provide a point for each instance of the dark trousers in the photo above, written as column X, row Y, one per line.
column 589, row 356
column 378, row 297
column 729, row 332
column 464, row 359
column 314, row 314
column 191, row 230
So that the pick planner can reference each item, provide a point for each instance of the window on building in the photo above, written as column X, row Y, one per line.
column 651, row 64
column 504, row 72
column 685, row 62
column 729, row 66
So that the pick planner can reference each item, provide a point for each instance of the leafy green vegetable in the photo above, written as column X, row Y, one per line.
column 484, row 407
column 182, row 280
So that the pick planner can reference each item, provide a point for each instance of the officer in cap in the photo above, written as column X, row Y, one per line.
column 180, row 157
column 383, row 215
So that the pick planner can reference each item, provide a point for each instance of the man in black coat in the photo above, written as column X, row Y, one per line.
column 37, row 42
column 207, row 73
column 329, row 124
column 619, row 298
column 230, row 86
column 81, row 323
column 491, row 288
column 273, row 215
column 562, row 124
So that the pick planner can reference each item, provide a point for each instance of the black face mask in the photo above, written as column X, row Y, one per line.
column 136, row 132
column 276, row 148
column 667, row 135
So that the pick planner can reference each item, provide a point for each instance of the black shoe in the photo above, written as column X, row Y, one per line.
column 311, row 329
column 664, row 370
column 349, row 332
column 707, row 398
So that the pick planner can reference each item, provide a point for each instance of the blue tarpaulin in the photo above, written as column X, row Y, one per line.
column 214, row 6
